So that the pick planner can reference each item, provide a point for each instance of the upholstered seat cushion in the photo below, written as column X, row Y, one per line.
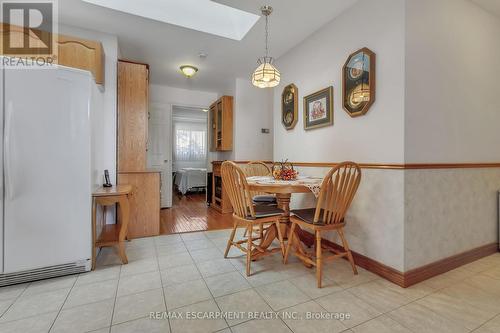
column 306, row 215
column 264, row 199
column 267, row 211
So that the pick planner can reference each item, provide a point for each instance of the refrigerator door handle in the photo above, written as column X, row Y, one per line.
column 7, row 157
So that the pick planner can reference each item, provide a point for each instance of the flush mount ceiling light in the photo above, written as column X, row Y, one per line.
column 266, row 75
column 201, row 15
column 188, row 70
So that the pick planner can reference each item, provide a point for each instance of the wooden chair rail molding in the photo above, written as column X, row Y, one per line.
column 394, row 166
column 415, row 275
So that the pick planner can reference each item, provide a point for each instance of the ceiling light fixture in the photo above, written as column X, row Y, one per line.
column 188, row 70
column 204, row 110
column 266, row 75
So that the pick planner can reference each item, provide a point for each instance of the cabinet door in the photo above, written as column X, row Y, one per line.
column 132, row 116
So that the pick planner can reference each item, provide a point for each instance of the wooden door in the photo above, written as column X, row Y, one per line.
column 132, row 116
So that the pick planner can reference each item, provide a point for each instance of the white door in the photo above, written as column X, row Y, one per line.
column 47, row 168
column 160, row 148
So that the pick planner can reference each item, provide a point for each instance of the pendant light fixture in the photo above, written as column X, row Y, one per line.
column 266, row 75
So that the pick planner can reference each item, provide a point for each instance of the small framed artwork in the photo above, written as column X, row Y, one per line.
column 358, row 82
column 318, row 109
column 289, row 106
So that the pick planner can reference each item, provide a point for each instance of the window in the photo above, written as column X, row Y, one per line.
column 190, row 144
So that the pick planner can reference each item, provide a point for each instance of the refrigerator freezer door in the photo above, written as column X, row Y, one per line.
column 47, row 168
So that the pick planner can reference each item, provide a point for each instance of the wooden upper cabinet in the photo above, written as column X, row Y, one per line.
column 221, row 124
column 82, row 54
column 133, row 91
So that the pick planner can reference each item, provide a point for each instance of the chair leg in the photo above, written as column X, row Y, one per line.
column 280, row 238
column 231, row 238
column 319, row 263
column 289, row 243
column 346, row 248
column 261, row 231
column 249, row 248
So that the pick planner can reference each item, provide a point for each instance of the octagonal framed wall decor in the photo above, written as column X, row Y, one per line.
column 358, row 82
column 289, row 106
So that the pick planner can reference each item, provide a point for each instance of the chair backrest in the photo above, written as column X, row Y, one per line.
column 337, row 191
column 256, row 168
column 236, row 186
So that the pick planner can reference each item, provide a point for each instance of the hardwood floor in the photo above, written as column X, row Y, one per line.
column 190, row 213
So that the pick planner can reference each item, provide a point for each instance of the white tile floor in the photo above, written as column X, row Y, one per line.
column 187, row 274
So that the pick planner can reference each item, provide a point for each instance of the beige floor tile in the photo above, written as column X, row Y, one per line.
column 262, row 325
column 173, row 260
column 308, row 285
column 4, row 305
column 180, row 274
column 485, row 283
column 91, row 293
column 199, row 244
column 215, row 267
column 291, row 270
column 188, row 324
column 142, row 325
column 27, row 306
column 206, row 255
column 344, row 302
column 168, row 249
column 35, row 324
column 474, row 296
column 11, row 292
column 108, row 256
column 137, row 306
column 477, row 266
column 183, row 294
column 283, row 294
column 244, row 302
column 380, row 296
column 168, row 239
column 84, row 318
column 102, row 330
column 139, row 266
column 492, row 272
column 100, row 274
column 492, row 326
column 137, row 283
column 213, row 234
column 307, row 317
column 50, row 285
column 263, row 277
column 382, row 324
column 141, row 253
column 227, row 283
column 220, row 243
column 456, row 310
column 341, row 273
column 190, row 236
column 419, row 318
column 441, row 281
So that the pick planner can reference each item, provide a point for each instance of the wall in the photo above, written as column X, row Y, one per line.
column 377, row 215
column 252, row 112
column 451, row 116
column 170, row 96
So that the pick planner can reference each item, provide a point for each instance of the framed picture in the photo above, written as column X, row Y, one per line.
column 358, row 82
column 289, row 106
column 318, row 109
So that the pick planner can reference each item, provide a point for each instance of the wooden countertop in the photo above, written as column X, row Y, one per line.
column 111, row 191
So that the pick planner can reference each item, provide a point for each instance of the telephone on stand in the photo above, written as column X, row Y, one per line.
column 107, row 182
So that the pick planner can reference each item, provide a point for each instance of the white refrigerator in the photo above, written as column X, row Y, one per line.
column 45, row 224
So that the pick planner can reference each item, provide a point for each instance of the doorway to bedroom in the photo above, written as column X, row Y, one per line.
column 186, row 209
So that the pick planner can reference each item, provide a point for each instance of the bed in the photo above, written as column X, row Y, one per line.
column 189, row 179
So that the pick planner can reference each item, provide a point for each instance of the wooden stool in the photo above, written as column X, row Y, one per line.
column 111, row 234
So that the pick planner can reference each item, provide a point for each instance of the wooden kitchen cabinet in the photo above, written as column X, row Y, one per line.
column 133, row 93
column 144, row 220
column 221, row 124
column 82, row 54
column 220, row 200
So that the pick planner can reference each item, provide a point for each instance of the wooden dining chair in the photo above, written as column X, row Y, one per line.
column 336, row 194
column 248, row 215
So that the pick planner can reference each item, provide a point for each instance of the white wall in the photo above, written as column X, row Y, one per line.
column 452, row 115
column 317, row 63
column 377, row 216
column 252, row 112
column 452, row 88
column 170, row 96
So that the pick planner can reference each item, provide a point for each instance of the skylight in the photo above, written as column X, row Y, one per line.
column 201, row 15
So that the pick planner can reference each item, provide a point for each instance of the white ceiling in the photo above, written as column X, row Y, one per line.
column 165, row 47
column 492, row 6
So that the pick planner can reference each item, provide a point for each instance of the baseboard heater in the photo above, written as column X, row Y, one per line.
column 44, row 273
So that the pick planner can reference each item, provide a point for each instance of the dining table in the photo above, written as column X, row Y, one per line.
column 283, row 189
